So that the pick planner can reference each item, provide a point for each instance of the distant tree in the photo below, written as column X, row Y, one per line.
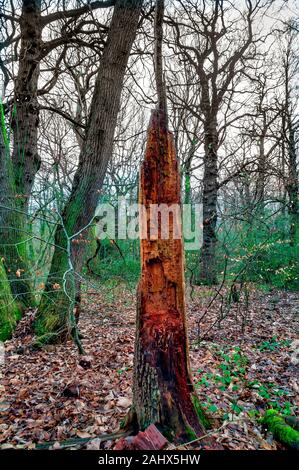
column 218, row 41
column 290, row 125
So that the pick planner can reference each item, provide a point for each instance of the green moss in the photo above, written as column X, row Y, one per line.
column 199, row 411
column 10, row 311
column 281, row 431
column 168, row 433
column 91, row 247
column 191, row 434
column 52, row 317
column 3, row 125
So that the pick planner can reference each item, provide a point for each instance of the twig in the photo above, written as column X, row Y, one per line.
column 83, row 440
column 201, row 437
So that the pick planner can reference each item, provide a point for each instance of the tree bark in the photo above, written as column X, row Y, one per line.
column 163, row 392
column 26, row 159
column 57, row 307
column 261, row 170
column 208, row 265
column 12, row 230
column 292, row 184
column 9, row 309
column 24, row 162
column 289, row 132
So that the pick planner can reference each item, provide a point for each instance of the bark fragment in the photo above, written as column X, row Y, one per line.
column 150, row 439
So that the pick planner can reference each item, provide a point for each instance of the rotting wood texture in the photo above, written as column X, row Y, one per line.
column 163, row 388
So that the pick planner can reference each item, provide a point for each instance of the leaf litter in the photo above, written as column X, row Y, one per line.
column 55, row 396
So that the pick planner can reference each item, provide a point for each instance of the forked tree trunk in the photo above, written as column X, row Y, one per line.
column 55, row 318
column 163, row 392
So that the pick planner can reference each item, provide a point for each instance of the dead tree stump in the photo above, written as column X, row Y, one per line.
column 163, row 391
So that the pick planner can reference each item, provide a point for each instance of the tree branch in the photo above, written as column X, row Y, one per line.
column 60, row 15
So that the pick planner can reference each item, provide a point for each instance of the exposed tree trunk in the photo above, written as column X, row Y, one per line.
column 208, row 267
column 57, row 307
column 163, row 392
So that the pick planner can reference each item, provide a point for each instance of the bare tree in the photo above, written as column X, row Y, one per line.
column 290, row 126
column 24, row 35
column 217, row 41
column 56, row 311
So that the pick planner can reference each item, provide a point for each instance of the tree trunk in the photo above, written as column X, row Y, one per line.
column 57, row 305
column 208, row 268
column 26, row 159
column 261, row 175
column 292, row 185
column 9, row 309
column 12, row 232
column 163, row 392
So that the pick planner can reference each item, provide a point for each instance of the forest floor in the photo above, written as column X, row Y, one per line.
column 240, row 368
